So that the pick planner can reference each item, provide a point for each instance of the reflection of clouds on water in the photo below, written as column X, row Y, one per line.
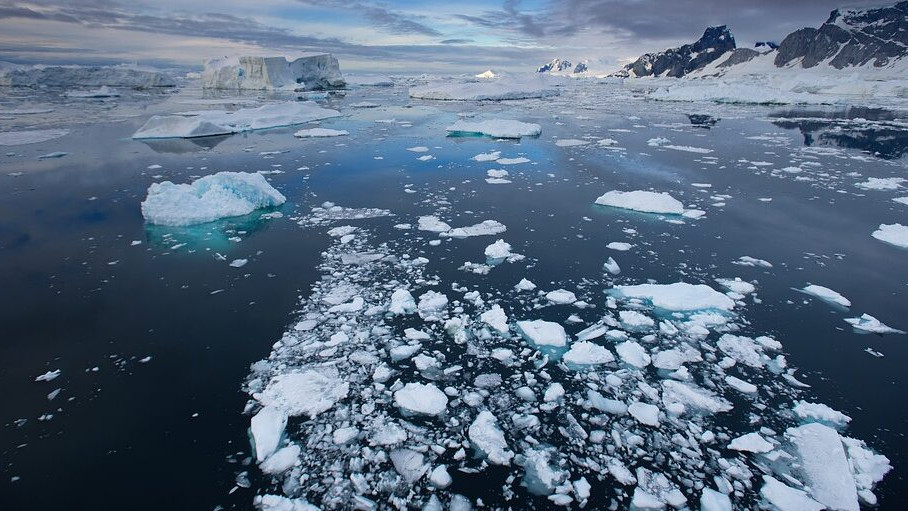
column 873, row 130
column 184, row 145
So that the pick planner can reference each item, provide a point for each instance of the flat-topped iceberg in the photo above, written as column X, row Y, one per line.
column 219, row 122
column 207, row 199
column 894, row 234
column 642, row 201
column 497, row 128
column 83, row 76
column 310, row 71
column 677, row 297
column 495, row 89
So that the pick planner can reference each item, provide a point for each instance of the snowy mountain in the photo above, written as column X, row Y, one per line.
column 850, row 38
column 555, row 66
column 677, row 62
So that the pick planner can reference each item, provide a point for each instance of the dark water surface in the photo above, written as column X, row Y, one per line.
column 78, row 296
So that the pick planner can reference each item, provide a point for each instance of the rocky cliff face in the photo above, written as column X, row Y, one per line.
column 677, row 62
column 850, row 38
column 555, row 66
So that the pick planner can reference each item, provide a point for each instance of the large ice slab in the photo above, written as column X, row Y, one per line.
column 642, row 201
column 677, row 297
column 498, row 128
column 307, row 392
column 543, row 333
column 207, row 199
column 496, row 89
column 83, row 76
column 421, row 398
column 487, row 437
column 824, row 466
column 219, row 122
column 894, row 234
column 313, row 71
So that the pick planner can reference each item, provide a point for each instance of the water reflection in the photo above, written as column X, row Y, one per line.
column 218, row 236
column 184, row 145
column 876, row 131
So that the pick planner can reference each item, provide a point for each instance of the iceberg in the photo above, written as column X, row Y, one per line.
column 824, row 466
column 320, row 133
column 307, row 392
column 894, row 234
column 677, row 297
column 497, row 128
column 486, row 89
column 827, row 295
column 543, row 333
column 310, row 71
column 83, row 76
column 219, row 122
column 221, row 195
column 420, row 398
column 642, row 201
column 487, row 437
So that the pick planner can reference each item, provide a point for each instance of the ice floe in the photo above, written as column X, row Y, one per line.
column 643, row 201
column 496, row 128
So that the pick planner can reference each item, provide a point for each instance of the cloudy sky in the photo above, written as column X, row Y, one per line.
column 389, row 35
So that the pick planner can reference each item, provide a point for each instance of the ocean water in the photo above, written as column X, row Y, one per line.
column 82, row 296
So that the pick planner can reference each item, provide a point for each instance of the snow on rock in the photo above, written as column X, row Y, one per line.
column 824, row 466
column 543, row 333
column 307, row 392
column 496, row 128
column 827, row 295
column 267, row 427
column 487, row 437
column 642, row 201
column 585, row 353
column 868, row 323
column 310, row 71
column 221, row 122
column 419, row 398
column 320, row 133
column 894, row 234
column 677, row 297
column 221, row 195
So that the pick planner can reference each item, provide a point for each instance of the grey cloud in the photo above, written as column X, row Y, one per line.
column 393, row 21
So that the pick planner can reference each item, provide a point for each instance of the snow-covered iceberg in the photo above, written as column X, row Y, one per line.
column 498, row 128
column 311, row 71
column 12, row 75
column 207, row 199
column 643, row 201
column 206, row 123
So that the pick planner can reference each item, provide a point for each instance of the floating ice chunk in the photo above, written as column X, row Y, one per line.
column 869, row 468
column 491, row 156
column 751, row 442
column 484, row 228
column 657, row 487
column 306, row 71
column 752, row 261
column 440, row 478
column 606, row 142
column 238, row 263
column 281, row 460
column 496, row 318
column 782, row 497
column 279, row 503
column 692, row 397
column 488, row 438
column 819, row 412
column 901, row 200
column 612, row 267
column 894, row 234
column 620, row 246
column 497, row 128
column 217, row 122
column 677, row 297
column 432, row 301
column 633, row 354
column 409, row 464
column 603, row 404
column 513, row 161
column 827, row 295
column 561, row 297
column 525, row 285
column 644, row 413
column 824, row 466
column 342, row 436
column 421, row 398
column 307, row 392
column 643, row 201
column 499, row 250
column 543, row 333
column 320, row 133
column 221, row 195
column 49, row 376
column 432, row 224
column 11, row 138
column 570, row 142
column 402, row 302
column 418, row 149
column 487, row 89
column 743, row 349
column 267, row 427
column 585, row 353
column 736, row 285
column 633, row 320
column 868, row 323
column 741, row 385
column 540, row 475
column 876, row 183
column 711, row 500
column 497, row 173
